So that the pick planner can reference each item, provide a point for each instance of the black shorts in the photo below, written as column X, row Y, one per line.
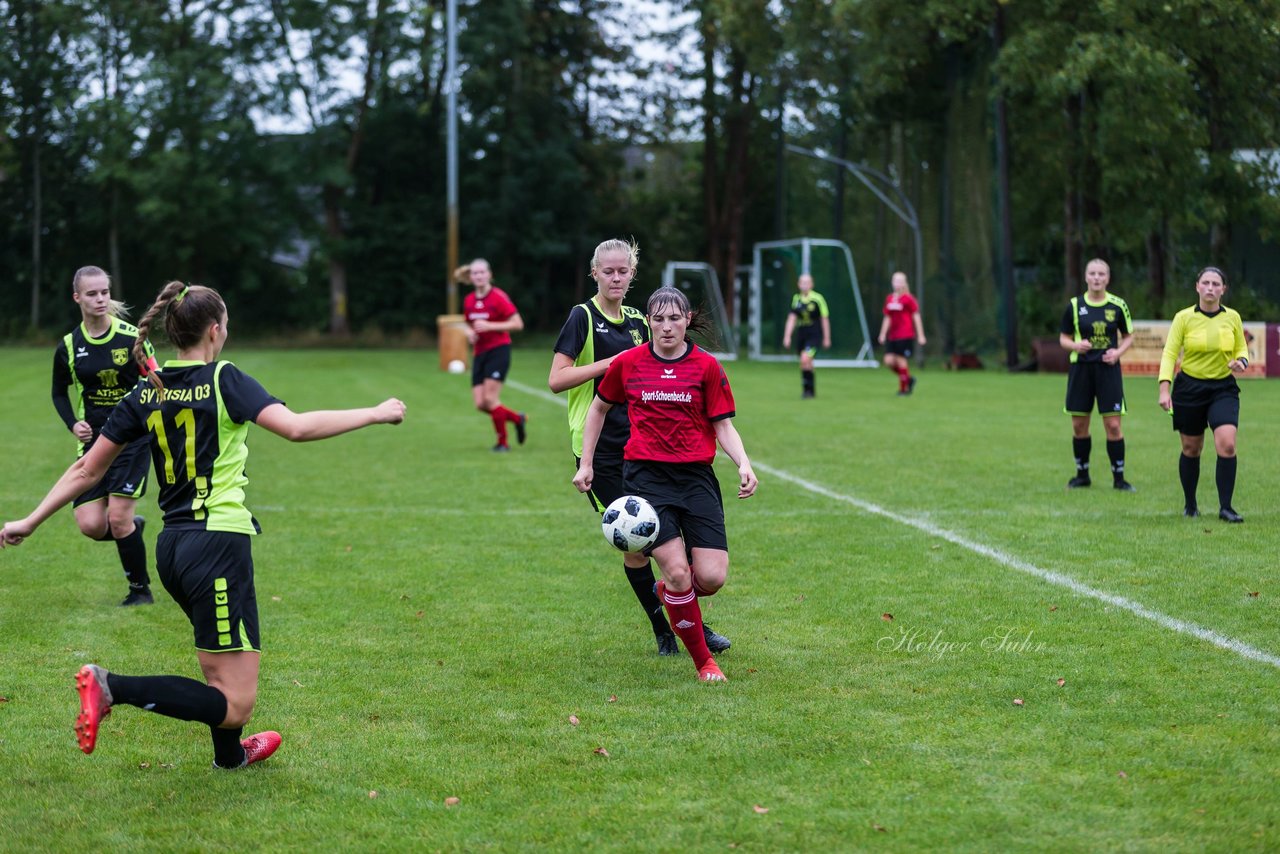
column 1198, row 404
column 492, row 365
column 210, row 575
column 900, row 347
column 607, row 484
column 127, row 476
column 808, row 338
column 687, row 498
column 1090, row 381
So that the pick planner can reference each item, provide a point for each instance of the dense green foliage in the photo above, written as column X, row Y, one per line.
column 433, row 614
column 291, row 152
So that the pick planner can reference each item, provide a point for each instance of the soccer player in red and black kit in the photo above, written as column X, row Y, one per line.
column 491, row 318
column 679, row 404
column 900, row 329
column 94, row 359
column 194, row 413
column 595, row 333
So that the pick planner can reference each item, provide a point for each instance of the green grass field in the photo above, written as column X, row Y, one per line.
column 433, row 614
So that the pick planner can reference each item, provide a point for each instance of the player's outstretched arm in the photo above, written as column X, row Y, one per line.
column 324, row 423
column 727, row 436
column 83, row 474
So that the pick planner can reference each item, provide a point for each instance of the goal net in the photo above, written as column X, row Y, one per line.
column 776, row 266
column 700, row 284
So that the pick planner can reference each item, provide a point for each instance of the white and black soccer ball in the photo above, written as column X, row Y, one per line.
column 630, row 524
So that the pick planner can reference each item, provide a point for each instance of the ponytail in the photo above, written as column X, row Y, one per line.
column 167, row 293
column 188, row 311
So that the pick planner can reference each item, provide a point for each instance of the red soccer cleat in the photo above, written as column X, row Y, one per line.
column 710, row 672
column 95, row 704
column 261, row 746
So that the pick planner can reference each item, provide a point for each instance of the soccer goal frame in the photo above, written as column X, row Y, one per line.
column 712, row 300
column 865, row 357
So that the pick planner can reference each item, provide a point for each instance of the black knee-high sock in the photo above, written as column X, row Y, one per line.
column 1081, row 448
column 1115, row 452
column 806, row 379
column 133, row 557
column 227, row 750
column 171, row 696
column 641, row 580
column 1189, row 474
column 1226, row 481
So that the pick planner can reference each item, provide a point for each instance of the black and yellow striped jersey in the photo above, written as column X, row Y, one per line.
column 101, row 370
column 197, row 427
column 809, row 308
column 1101, row 324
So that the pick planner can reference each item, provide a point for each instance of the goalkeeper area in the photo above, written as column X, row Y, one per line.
column 776, row 265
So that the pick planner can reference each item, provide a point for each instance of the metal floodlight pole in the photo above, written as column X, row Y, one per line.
column 451, row 156
column 904, row 210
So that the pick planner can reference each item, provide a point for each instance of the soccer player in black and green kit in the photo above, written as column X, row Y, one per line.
column 811, row 323
column 1097, row 330
column 96, row 360
column 195, row 412
column 596, row 332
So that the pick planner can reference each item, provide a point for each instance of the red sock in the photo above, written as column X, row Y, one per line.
column 499, row 423
column 904, row 378
column 686, row 621
column 506, row 414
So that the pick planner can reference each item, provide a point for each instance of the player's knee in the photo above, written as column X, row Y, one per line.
column 94, row 529
column 678, row 577
column 707, row 584
column 239, row 709
column 1225, row 447
column 121, row 525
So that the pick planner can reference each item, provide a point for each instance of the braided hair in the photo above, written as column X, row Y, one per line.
column 188, row 311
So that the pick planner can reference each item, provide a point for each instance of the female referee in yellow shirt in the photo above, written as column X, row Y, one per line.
column 1210, row 338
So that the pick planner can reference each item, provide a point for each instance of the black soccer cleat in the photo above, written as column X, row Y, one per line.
column 1124, row 486
column 667, row 643
column 1191, row 512
column 716, row 642
column 520, row 425
column 1226, row 514
column 501, row 448
column 1079, row 481
column 911, row 385
column 138, row 596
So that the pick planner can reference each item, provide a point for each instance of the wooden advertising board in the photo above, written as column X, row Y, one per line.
column 1143, row 358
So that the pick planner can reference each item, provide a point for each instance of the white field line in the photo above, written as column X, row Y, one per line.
column 1173, row 624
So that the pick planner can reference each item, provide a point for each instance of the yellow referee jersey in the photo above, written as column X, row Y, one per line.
column 1207, row 342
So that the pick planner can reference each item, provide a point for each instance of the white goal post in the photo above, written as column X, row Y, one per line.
column 775, row 267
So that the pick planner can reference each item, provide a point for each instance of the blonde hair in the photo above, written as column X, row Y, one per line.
column 617, row 245
column 117, row 308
